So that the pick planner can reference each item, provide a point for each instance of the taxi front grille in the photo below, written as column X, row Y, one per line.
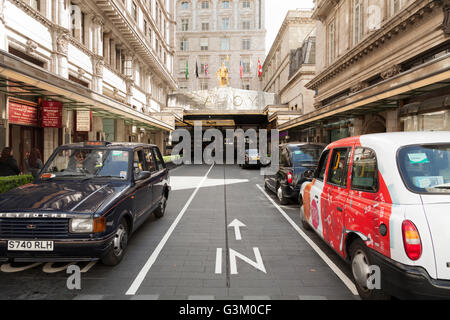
column 34, row 228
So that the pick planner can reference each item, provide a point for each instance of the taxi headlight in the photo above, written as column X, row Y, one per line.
column 81, row 225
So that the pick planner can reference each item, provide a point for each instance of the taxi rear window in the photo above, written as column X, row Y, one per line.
column 426, row 168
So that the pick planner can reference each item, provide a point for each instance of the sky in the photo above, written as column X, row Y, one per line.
column 276, row 12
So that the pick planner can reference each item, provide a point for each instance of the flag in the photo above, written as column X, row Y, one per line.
column 196, row 68
column 206, row 70
column 186, row 73
column 241, row 70
column 259, row 68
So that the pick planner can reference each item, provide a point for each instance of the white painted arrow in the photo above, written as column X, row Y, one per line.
column 236, row 224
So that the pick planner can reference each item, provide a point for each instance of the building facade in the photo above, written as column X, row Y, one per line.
column 382, row 66
column 108, row 65
column 215, row 32
column 289, row 65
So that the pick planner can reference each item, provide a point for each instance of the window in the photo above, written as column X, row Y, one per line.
column 134, row 11
column 182, row 66
column 139, row 164
column 205, row 26
column 159, row 159
column 145, row 27
column 337, row 172
column 322, row 166
column 204, row 44
column 184, row 24
column 246, row 4
column 184, row 45
column 365, row 170
column 246, row 66
column 225, row 23
column 426, row 168
column 225, row 44
column 395, row 6
column 331, row 42
column 246, row 24
column 185, row 5
column 357, row 21
column 245, row 44
column 36, row 5
column 150, row 163
column 205, row 4
column 204, row 85
column 226, row 4
column 284, row 158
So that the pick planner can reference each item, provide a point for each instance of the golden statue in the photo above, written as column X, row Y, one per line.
column 222, row 76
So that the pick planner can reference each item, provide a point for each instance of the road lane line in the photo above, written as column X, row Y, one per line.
column 350, row 285
column 151, row 260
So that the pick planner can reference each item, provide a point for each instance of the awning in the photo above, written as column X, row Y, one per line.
column 21, row 79
column 382, row 96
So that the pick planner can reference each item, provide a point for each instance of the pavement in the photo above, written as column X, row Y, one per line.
column 193, row 253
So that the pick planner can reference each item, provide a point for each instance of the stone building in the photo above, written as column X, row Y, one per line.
column 109, row 64
column 381, row 66
column 212, row 32
column 289, row 65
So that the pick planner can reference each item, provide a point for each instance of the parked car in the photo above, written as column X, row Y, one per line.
column 383, row 200
column 85, row 204
column 296, row 159
column 252, row 158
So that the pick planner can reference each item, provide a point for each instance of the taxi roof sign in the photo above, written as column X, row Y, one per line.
column 96, row 143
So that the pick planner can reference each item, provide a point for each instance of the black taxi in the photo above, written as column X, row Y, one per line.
column 85, row 203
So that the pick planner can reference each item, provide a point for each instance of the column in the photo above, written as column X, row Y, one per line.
column 236, row 14
column 88, row 32
column 357, row 127
column 120, row 131
column 215, row 3
column 3, row 39
column 112, row 60
column 63, row 13
column 97, row 35
column 392, row 121
column 194, row 15
column 107, row 48
column 62, row 43
column 97, row 68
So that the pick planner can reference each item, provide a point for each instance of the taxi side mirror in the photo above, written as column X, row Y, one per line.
column 142, row 175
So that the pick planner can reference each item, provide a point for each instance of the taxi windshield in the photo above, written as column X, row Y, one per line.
column 426, row 168
column 88, row 163
column 305, row 154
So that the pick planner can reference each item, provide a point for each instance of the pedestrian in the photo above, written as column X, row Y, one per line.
column 8, row 165
column 33, row 163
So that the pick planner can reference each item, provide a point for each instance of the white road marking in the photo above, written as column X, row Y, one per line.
column 151, row 260
column 350, row 285
column 236, row 224
column 219, row 261
column 259, row 264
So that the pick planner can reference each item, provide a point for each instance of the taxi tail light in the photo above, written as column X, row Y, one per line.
column 411, row 240
column 99, row 225
column 289, row 177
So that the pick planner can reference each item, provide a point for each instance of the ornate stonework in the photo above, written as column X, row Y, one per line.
column 97, row 65
column 446, row 22
column 359, row 87
column 130, row 85
column 98, row 20
column 62, row 41
column 31, row 46
column 392, row 71
column 2, row 8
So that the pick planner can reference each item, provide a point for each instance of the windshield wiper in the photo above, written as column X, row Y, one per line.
column 117, row 177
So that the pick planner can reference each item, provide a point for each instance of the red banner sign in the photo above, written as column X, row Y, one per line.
column 51, row 114
column 23, row 114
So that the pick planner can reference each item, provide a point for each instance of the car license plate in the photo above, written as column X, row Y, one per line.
column 32, row 245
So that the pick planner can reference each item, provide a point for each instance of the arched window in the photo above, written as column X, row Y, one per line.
column 185, row 5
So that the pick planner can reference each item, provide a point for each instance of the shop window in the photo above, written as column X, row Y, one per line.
column 79, row 81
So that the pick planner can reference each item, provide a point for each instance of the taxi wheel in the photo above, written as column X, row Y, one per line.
column 360, row 264
column 120, row 242
column 159, row 212
column 305, row 223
